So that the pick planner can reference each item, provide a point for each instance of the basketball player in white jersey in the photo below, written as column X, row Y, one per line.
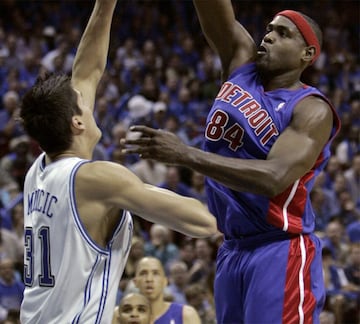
column 77, row 225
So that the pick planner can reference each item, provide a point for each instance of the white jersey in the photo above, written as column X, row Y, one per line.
column 68, row 277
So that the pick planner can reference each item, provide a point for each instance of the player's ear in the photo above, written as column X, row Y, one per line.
column 77, row 123
column 309, row 53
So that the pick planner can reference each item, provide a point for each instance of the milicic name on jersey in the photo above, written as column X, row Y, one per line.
column 258, row 118
column 41, row 201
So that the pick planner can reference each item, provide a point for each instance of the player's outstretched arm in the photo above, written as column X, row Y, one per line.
column 91, row 56
column 225, row 34
column 117, row 187
column 309, row 130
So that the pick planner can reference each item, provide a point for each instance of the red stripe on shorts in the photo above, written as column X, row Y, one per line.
column 299, row 301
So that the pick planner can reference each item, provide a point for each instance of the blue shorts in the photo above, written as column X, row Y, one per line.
column 269, row 280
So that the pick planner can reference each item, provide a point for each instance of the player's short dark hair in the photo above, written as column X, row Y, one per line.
column 315, row 27
column 46, row 112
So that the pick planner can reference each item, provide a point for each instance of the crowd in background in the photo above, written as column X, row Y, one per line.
column 162, row 73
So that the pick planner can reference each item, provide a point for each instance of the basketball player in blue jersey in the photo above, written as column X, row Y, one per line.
column 267, row 137
column 151, row 280
column 134, row 308
column 77, row 225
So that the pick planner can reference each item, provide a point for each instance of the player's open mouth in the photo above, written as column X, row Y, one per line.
column 261, row 50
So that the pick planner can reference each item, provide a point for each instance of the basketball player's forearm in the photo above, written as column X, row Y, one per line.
column 256, row 176
column 91, row 56
column 182, row 214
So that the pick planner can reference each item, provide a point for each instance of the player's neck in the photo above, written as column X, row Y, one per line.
column 50, row 158
column 289, row 80
column 159, row 307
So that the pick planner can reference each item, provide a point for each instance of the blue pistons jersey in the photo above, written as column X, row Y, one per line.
column 244, row 122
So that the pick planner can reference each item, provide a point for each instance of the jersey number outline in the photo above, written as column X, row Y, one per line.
column 215, row 130
column 46, row 279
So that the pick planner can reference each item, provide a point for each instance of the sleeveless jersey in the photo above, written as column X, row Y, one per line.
column 244, row 122
column 172, row 316
column 68, row 277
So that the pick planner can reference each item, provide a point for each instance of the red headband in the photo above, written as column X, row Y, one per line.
column 305, row 29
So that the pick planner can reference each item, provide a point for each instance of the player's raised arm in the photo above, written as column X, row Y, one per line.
column 91, row 56
column 225, row 34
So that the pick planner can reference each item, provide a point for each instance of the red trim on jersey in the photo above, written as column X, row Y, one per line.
column 294, row 210
column 292, row 293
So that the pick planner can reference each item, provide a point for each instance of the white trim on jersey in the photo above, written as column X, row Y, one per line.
column 287, row 203
column 301, row 280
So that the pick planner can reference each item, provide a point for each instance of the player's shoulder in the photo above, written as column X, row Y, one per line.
column 314, row 106
column 102, row 173
column 190, row 315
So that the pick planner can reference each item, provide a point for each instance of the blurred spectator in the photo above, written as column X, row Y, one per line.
column 160, row 245
column 204, row 264
column 10, row 247
column 150, row 171
column 8, row 115
column 10, row 196
column 341, row 295
column 352, row 176
column 173, row 182
column 196, row 295
column 173, row 125
column 353, row 231
column 348, row 147
column 321, row 209
column 348, row 212
column 335, row 240
column 178, row 280
column 11, row 287
column 104, row 120
column 197, row 187
column 187, row 252
column 18, row 161
column 327, row 317
column 59, row 59
column 331, row 170
column 159, row 114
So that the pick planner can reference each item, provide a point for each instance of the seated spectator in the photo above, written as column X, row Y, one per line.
column 151, row 281
column 353, row 177
column 204, row 264
column 10, row 246
column 327, row 317
column 352, row 272
column 150, row 171
column 340, row 294
column 197, row 296
column 187, row 252
column 178, row 279
column 173, row 182
column 335, row 240
column 10, row 196
column 348, row 212
column 160, row 245
column 353, row 231
column 18, row 161
column 197, row 187
column 11, row 287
